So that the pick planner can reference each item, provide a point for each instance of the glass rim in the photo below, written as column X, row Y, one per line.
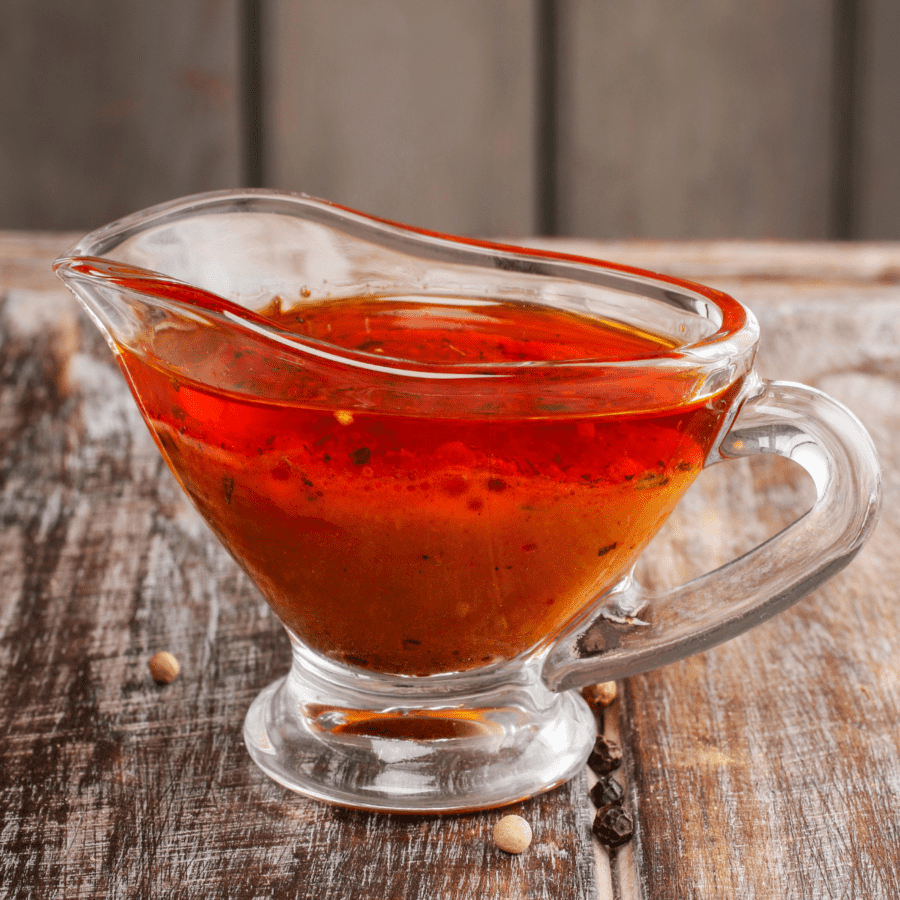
column 733, row 340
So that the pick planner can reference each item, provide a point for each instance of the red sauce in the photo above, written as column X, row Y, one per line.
column 417, row 544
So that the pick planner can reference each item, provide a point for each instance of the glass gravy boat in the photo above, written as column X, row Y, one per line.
column 439, row 460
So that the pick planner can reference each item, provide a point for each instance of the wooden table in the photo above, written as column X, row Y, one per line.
column 768, row 767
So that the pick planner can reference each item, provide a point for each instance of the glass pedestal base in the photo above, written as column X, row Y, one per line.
column 436, row 745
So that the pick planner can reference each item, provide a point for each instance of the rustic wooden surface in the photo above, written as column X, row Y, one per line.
column 706, row 119
column 876, row 177
column 109, row 107
column 422, row 111
column 693, row 121
column 768, row 767
column 114, row 787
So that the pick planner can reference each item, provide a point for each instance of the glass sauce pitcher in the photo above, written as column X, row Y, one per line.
column 439, row 459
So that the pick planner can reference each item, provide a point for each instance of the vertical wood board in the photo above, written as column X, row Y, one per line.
column 423, row 112
column 877, row 138
column 770, row 766
column 695, row 120
column 110, row 107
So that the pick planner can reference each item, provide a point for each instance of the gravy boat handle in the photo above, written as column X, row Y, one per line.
column 636, row 630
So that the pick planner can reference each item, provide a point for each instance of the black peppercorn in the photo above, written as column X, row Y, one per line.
column 612, row 826
column 605, row 757
column 607, row 791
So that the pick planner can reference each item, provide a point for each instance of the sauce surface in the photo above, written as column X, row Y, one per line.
column 411, row 544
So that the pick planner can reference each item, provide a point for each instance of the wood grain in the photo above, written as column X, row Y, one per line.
column 112, row 786
column 770, row 766
column 110, row 107
column 711, row 121
column 418, row 111
column 707, row 120
column 876, row 178
column 767, row 767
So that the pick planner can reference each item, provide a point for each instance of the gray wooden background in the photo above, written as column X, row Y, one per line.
column 593, row 118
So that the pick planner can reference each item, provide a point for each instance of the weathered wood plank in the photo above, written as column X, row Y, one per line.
column 739, row 262
column 766, row 767
column 420, row 112
column 770, row 766
column 876, row 212
column 113, row 787
column 706, row 120
column 110, row 107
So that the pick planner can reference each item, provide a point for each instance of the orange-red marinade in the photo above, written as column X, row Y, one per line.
column 417, row 544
